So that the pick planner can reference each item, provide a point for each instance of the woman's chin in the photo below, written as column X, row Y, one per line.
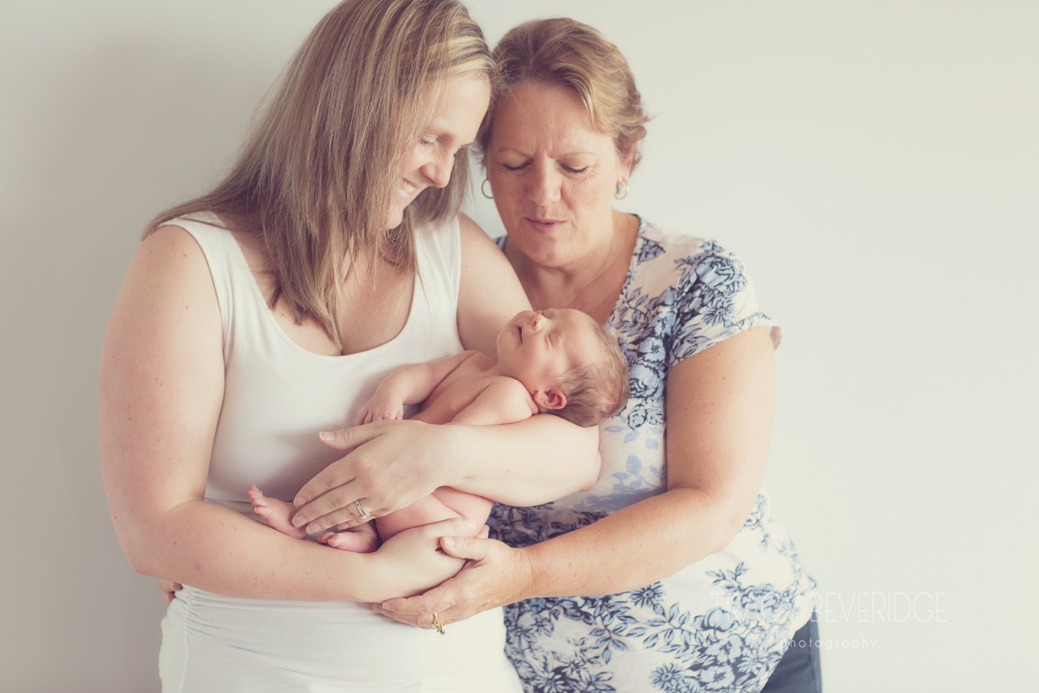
column 547, row 251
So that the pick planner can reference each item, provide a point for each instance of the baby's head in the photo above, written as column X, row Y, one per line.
column 569, row 363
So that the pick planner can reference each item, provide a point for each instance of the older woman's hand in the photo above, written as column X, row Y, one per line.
column 410, row 563
column 494, row 575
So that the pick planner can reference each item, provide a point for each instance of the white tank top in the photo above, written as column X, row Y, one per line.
column 278, row 395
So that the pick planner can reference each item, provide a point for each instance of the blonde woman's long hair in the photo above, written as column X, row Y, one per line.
column 315, row 176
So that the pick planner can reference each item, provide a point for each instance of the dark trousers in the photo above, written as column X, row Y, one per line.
column 798, row 670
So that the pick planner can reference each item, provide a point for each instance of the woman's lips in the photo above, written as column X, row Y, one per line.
column 544, row 225
column 408, row 190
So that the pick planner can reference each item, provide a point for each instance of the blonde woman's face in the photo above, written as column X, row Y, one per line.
column 553, row 175
column 453, row 128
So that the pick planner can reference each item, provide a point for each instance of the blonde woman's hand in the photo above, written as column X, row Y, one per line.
column 389, row 465
column 169, row 588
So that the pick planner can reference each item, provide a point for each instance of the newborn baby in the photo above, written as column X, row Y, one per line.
column 558, row 361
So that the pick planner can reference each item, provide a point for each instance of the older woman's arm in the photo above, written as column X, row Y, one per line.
column 162, row 378
column 719, row 418
column 394, row 463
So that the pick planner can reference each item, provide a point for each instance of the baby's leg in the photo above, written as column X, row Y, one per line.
column 468, row 505
column 445, row 503
column 276, row 513
column 359, row 539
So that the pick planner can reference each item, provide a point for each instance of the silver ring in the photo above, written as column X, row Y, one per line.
column 363, row 515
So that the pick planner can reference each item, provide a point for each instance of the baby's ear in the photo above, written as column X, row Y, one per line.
column 549, row 399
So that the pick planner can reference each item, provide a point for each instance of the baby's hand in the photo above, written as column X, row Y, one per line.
column 386, row 403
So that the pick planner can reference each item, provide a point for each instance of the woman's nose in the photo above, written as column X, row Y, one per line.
column 543, row 189
column 438, row 170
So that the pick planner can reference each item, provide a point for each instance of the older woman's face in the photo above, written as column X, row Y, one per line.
column 553, row 175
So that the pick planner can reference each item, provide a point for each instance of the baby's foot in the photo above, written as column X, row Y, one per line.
column 276, row 513
column 360, row 539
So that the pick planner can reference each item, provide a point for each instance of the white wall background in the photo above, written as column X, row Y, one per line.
column 873, row 163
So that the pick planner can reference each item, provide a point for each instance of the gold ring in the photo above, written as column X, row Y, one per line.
column 438, row 624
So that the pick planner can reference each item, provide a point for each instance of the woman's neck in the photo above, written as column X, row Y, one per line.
column 590, row 283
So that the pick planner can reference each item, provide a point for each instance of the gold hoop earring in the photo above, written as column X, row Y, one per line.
column 484, row 192
column 617, row 193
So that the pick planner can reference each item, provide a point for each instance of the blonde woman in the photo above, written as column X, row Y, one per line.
column 266, row 311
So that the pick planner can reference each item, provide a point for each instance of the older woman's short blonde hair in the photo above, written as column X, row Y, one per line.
column 564, row 52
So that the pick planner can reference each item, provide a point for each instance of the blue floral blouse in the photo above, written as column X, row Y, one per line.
column 717, row 625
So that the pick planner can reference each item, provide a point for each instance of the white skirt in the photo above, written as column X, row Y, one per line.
column 215, row 643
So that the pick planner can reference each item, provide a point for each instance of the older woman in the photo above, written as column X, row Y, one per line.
column 705, row 591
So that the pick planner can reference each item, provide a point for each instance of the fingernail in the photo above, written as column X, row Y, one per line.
column 469, row 525
column 448, row 542
column 326, row 436
column 298, row 521
column 298, row 501
column 313, row 529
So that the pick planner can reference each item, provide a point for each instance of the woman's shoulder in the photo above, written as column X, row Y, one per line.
column 212, row 236
column 656, row 240
column 196, row 256
column 179, row 256
column 475, row 242
column 199, row 224
column 687, row 291
column 170, row 246
column 674, row 257
column 167, row 291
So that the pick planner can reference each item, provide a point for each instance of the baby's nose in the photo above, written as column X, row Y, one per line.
column 535, row 322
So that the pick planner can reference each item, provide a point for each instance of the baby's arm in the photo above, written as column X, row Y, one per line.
column 503, row 401
column 409, row 385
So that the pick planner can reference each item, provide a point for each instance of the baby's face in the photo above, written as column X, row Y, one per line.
column 538, row 347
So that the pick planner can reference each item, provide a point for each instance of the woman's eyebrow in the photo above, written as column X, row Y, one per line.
column 554, row 156
column 510, row 150
column 441, row 131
